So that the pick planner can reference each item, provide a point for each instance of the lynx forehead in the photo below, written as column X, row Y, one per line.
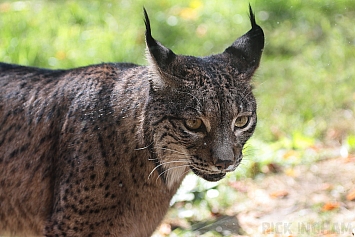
column 100, row 150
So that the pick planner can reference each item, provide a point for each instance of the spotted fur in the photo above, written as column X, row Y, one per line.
column 101, row 150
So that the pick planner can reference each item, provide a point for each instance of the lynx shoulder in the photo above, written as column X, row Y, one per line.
column 100, row 150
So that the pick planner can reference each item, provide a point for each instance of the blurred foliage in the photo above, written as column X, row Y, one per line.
column 305, row 85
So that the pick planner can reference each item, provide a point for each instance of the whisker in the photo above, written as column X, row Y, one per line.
column 244, row 96
column 180, row 166
column 164, row 163
column 142, row 148
column 187, row 171
column 184, row 155
column 199, row 169
column 168, row 149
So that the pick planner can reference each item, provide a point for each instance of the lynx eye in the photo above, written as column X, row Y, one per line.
column 193, row 124
column 241, row 122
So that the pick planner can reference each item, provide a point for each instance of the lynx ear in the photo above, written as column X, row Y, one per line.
column 158, row 55
column 249, row 47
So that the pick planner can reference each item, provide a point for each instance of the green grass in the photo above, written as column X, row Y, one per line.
column 305, row 86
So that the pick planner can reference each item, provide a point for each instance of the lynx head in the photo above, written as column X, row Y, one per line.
column 201, row 110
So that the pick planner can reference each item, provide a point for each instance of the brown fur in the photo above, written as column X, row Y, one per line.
column 101, row 150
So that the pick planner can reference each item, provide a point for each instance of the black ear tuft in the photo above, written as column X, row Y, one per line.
column 252, row 17
column 148, row 32
column 146, row 20
column 248, row 48
column 159, row 57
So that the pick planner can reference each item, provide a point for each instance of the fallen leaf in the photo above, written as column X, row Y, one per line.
column 330, row 206
column 326, row 187
column 349, row 159
column 279, row 194
column 290, row 172
column 328, row 233
column 274, row 168
column 290, row 154
column 351, row 195
column 268, row 231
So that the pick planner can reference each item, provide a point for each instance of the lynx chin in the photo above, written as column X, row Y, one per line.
column 100, row 150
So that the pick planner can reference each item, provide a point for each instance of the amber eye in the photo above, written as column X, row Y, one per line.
column 193, row 124
column 241, row 121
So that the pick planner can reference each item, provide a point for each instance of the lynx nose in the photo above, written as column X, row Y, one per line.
column 223, row 164
column 223, row 157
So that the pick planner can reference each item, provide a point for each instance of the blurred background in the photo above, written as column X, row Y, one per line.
column 305, row 89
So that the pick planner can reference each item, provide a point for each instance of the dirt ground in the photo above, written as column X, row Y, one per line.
column 316, row 200
column 307, row 200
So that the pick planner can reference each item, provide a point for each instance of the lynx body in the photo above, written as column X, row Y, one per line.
column 101, row 150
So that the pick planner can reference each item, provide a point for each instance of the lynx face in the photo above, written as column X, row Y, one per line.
column 202, row 110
